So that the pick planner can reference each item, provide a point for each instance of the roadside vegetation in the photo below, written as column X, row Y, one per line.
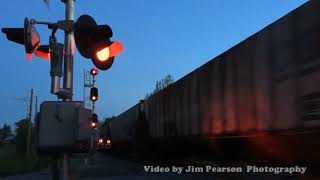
column 11, row 163
column 13, row 157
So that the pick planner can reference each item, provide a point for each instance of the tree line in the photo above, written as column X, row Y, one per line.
column 21, row 135
column 161, row 84
column 5, row 131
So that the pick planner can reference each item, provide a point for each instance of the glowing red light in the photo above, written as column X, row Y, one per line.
column 100, row 141
column 93, row 124
column 108, row 141
column 42, row 55
column 114, row 49
column 93, row 98
column 103, row 54
column 94, row 71
column 29, row 56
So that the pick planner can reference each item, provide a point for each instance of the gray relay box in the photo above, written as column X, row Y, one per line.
column 60, row 124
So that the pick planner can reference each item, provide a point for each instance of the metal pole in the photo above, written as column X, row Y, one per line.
column 91, row 142
column 68, row 52
column 54, row 168
column 55, row 84
column 68, row 74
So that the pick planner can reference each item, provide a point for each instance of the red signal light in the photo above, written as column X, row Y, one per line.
column 29, row 56
column 100, row 141
column 94, row 120
column 110, row 51
column 93, row 42
column 94, row 94
column 43, row 55
column 94, row 71
column 93, row 98
column 103, row 54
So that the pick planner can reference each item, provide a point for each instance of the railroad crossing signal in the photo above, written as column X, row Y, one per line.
column 94, row 121
column 27, row 36
column 94, row 94
column 103, row 55
column 93, row 42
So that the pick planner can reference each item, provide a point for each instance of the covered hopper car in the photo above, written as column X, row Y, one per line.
column 261, row 97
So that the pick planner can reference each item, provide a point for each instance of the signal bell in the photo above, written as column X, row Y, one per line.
column 93, row 41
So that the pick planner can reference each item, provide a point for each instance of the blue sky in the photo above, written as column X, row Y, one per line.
column 160, row 37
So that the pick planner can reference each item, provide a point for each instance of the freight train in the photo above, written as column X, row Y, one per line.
column 261, row 98
column 104, row 141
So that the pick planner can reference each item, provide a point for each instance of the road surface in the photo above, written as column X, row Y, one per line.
column 105, row 166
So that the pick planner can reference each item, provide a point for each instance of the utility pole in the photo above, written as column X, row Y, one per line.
column 29, row 124
column 36, row 105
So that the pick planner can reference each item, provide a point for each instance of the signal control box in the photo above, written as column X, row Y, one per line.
column 61, row 126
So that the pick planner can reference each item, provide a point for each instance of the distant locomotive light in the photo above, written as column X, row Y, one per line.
column 100, row 141
column 108, row 141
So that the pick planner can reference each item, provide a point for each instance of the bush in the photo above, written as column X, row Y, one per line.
column 12, row 164
column 21, row 137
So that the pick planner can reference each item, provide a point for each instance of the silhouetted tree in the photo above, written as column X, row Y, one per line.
column 21, row 136
column 5, row 131
column 163, row 83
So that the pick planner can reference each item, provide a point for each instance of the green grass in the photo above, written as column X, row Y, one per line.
column 11, row 164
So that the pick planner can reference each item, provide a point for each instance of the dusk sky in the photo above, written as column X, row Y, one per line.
column 160, row 37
